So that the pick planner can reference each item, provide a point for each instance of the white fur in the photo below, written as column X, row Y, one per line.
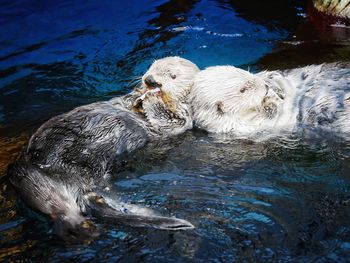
column 226, row 99
column 163, row 71
column 174, row 76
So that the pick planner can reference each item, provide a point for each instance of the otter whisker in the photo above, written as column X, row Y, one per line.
column 135, row 80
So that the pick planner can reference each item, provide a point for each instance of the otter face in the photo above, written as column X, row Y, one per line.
column 229, row 99
column 171, row 78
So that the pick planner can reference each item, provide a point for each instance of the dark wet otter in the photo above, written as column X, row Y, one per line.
column 68, row 159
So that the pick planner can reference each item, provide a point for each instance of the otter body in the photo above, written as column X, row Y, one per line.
column 226, row 99
column 67, row 161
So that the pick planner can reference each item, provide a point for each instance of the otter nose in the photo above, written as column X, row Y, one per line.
column 150, row 81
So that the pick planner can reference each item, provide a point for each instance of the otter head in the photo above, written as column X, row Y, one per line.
column 171, row 79
column 229, row 99
column 255, row 96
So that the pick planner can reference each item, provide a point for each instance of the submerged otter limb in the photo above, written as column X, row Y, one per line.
column 101, row 209
column 71, row 207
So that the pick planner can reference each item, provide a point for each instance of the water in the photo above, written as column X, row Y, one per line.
column 283, row 200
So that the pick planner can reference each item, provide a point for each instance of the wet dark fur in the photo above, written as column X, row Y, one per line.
column 74, row 153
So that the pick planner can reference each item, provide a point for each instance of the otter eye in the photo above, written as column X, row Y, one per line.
column 173, row 76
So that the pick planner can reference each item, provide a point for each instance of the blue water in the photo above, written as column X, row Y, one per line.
column 286, row 200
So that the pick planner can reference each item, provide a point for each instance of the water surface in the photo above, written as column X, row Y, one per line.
column 283, row 200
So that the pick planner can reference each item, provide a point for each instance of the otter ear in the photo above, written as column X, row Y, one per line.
column 269, row 107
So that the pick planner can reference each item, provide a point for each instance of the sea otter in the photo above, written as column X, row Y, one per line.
column 68, row 160
column 226, row 99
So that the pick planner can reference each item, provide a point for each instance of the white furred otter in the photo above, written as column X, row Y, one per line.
column 167, row 85
column 226, row 99
column 68, row 161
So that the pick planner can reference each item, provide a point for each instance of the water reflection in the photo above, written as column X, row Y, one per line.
column 79, row 61
column 273, row 200
column 9, row 149
column 313, row 41
column 156, row 35
column 279, row 200
column 289, row 16
column 276, row 200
